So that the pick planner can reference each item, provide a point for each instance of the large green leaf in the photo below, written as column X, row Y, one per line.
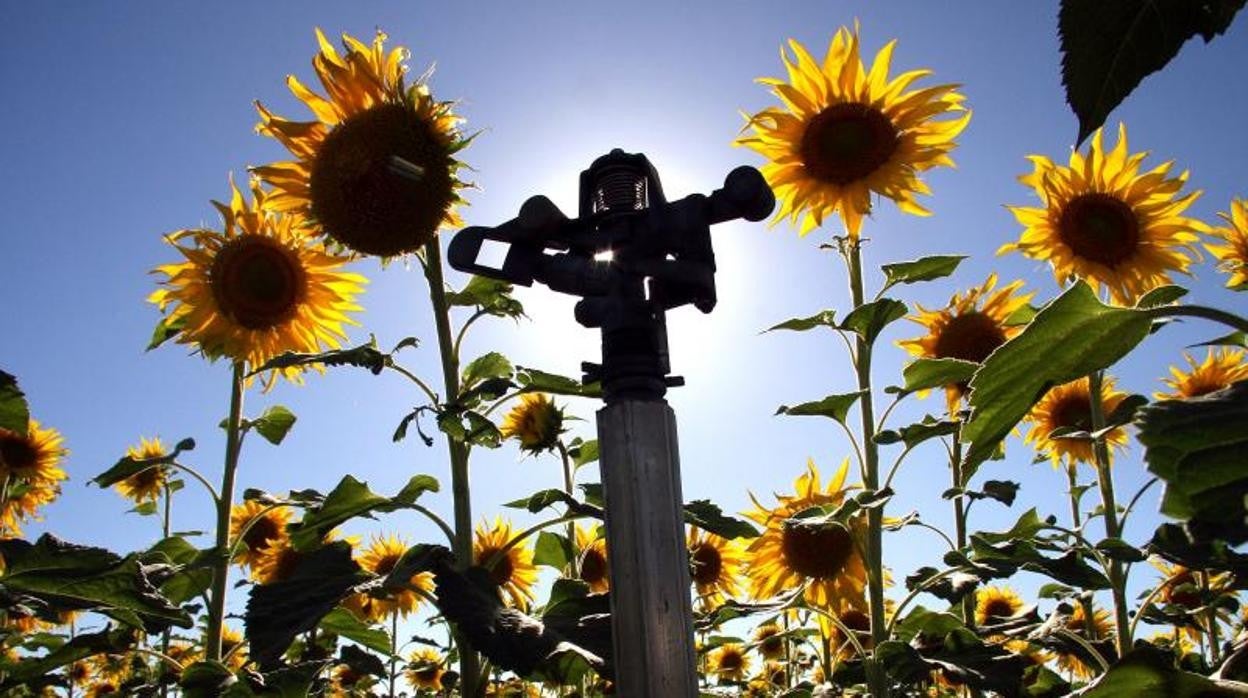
column 552, row 550
column 27, row 668
column 834, row 407
column 823, row 318
column 925, row 374
column 489, row 295
column 869, row 318
column 707, row 516
column 75, row 577
column 14, row 412
column 364, row 356
column 274, row 424
column 924, row 269
column 1071, row 337
column 533, row 380
column 1109, row 46
column 193, row 568
column 342, row 622
column 349, row 499
column 1149, row 672
column 485, row 367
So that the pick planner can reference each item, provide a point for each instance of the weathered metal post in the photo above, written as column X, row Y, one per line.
column 631, row 255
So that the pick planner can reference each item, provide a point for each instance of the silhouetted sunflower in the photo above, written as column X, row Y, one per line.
column 1070, row 406
column 256, row 289
column 1221, row 367
column 1191, row 590
column 268, row 529
column 1232, row 256
column 535, row 422
column 147, row 485
column 845, row 132
column 376, row 170
column 1104, row 221
column 592, row 566
column 425, row 669
column 715, row 566
column 513, row 571
column 1077, row 623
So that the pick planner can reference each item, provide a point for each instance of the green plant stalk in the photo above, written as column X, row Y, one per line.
column 394, row 657
column 166, row 528
column 568, row 487
column 1215, row 652
column 959, row 521
column 221, row 565
column 876, row 678
column 1072, row 477
column 469, row 663
column 1105, row 481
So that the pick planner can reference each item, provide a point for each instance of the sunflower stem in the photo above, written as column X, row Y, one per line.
column 1229, row 319
column 394, row 658
column 1072, row 479
column 876, row 678
column 225, row 501
column 469, row 663
column 569, row 484
column 165, row 529
column 1105, row 481
column 1215, row 652
column 959, row 519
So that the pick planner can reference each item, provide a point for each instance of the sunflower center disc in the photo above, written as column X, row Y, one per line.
column 731, row 661
column 1073, row 412
column 593, row 566
column 16, row 453
column 847, row 142
column 856, row 620
column 502, row 571
column 1183, row 592
column 364, row 205
column 816, row 550
column 257, row 283
column 1101, row 228
column 706, row 564
column 260, row 533
column 771, row 646
column 386, row 564
column 970, row 337
column 998, row 608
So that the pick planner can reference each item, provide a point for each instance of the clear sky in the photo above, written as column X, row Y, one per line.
column 121, row 121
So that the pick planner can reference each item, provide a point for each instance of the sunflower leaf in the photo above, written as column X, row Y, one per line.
column 914, row 434
column 707, row 516
column 1071, row 337
column 533, row 380
column 544, row 499
column 491, row 296
column 344, row 623
column 583, row 452
column 823, row 318
column 14, row 412
column 274, row 424
column 552, row 550
column 27, row 669
column 129, row 466
column 485, row 367
column 348, row 500
column 869, row 318
column 166, row 329
column 1120, row 550
column 1162, row 295
column 1109, row 47
column 925, row 374
column 364, row 356
column 834, row 407
column 1149, row 671
column 923, row 269
column 1234, row 339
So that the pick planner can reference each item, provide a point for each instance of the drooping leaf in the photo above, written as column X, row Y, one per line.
column 485, row 367
column 923, row 269
column 1120, row 550
column 364, row 356
column 543, row 499
column 192, row 574
column 534, row 380
column 129, row 466
column 471, row 427
column 274, row 424
column 1234, row 339
column 869, row 318
column 1071, row 337
column 14, row 412
column 27, row 669
column 165, row 330
column 914, row 434
column 349, row 499
column 952, row 587
column 1108, row 47
column 583, row 452
column 492, row 296
column 925, row 374
column 707, row 516
column 835, row 407
column 823, row 318
column 342, row 622
column 1162, row 295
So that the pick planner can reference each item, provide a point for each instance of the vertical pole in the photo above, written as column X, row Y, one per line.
column 651, row 610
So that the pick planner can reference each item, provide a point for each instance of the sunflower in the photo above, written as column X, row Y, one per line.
column 858, row 622
column 185, row 653
column 844, row 133
column 996, row 603
column 512, row 688
column 382, row 554
column 346, row 681
column 1219, row 369
column 146, row 485
column 276, row 562
column 256, row 289
column 267, row 528
column 714, row 566
column 513, row 570
column 769, row 640
column 425, row 669
column 729, row 662
column 535, row 422
column 376, row 170
column 78, row 673
column 30, row 469
column 969, row 328
column 1070, row 406
column 1077, row 623
column 102, row 688
column 233, row 648
column 1191, row 590
column 791, row 552
column 1105, row 222
column 1233, row 256
column 592, row 565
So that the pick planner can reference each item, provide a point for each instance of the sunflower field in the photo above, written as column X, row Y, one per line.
column 970, row 417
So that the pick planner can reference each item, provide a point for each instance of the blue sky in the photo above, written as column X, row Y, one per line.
column 123, row 120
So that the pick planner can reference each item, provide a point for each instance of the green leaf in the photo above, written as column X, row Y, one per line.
column 342, row 622
column 834, row 407
column 364, row 356
column 485, row 367
column 925, row 374
column 75, row 577
column 1120, row 550
column 27, row 669
column 274, row 423
column 1162, row 295
column 1071, row 337
column 823, row 318
column 869, row 318
column 924, row 269
column 552, row 550
column 165, row 330
column 1149, row 672
column 707, row 516
column 533, row 380
column 1234, row 339
column 583, row 452
column 593, row 492
column 1109, row 47
column 468, row 426
column 1027, row 526
column 914, row 434
column 127, row 466
column 415, row 487
column 14, row 412
column 193, row 572
column 1025, row 314
column 349, row 499
column 492, row 296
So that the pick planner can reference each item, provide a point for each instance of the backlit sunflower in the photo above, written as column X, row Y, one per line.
column 30, row 469
column 1069, row 406
column 855, row 620
column 146, row 485
column 969, row 328
column 276, row 562
column 769, row 640
column 376, row 170
column 791, row 552
column 845, row 132
column 513, row 570
column 535, row 422
column 425, row 669
column 994, row 604
column 730, row 662
column 592, row 565
column 233, row 648
column 1104, row 221
column 256, row 289
column 267, row 528
column 1233, row 255
column 1220, row 368
column 1077, row 623
column 715, row 566
column 380, row 557
column 346, row 682
column 1191, row 590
